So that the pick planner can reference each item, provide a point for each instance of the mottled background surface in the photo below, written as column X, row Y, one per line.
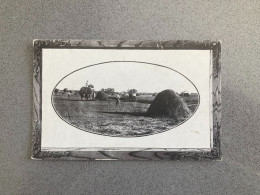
column 236, row 23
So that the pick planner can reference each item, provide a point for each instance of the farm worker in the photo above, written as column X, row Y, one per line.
column 117, row 100
column 68, row 95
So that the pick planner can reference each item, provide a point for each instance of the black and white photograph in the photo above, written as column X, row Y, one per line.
column 124, row 97
column 116, row 99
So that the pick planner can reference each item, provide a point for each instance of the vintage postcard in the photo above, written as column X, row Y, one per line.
column 126, row 100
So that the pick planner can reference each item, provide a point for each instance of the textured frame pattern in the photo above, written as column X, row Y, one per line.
column 144, row 154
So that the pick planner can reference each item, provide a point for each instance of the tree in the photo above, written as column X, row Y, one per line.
column 131, row 91
column 65, row 90
column 109, row 91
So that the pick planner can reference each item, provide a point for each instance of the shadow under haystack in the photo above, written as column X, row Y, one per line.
column 169, row 103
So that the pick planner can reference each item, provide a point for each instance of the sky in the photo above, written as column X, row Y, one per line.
column 128, row 75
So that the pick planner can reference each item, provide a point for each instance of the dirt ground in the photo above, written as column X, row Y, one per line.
column 104, row 117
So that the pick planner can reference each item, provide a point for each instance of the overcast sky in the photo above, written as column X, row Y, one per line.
column 128, row 75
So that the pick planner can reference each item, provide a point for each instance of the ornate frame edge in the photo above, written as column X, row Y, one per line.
column 145, row 154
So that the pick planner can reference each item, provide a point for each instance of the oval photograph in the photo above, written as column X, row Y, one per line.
column 125, row 99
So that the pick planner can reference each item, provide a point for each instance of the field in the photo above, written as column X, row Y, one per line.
column 104, row 117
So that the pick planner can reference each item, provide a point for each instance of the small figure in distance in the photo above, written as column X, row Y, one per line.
column 117, row 100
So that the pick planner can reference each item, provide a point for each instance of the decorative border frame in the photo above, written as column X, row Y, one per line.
column 137, row 154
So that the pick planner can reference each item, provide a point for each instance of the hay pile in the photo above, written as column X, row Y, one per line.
column 169, row 103
column 101, row 96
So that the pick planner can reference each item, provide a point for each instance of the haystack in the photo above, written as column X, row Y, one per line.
column 102, row 96
column 169, row 103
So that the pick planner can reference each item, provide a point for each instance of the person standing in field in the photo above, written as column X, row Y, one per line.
column 117, row 100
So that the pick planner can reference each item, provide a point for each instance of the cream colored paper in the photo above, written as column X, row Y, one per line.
column 194, row 64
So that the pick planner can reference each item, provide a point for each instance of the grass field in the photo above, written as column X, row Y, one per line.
column 104, row 117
